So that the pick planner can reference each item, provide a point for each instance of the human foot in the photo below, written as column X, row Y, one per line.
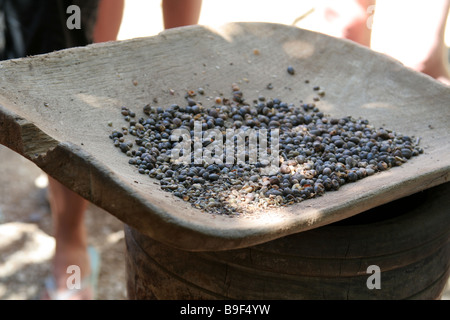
column 74, row 281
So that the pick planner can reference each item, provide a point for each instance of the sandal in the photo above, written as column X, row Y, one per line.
column 89, row 283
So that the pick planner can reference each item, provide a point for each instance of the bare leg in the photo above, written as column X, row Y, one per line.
column 413, row 33
column 178, row 13
column 68, row 210
column 109, row 19
column 348, row 19
column 67, row 207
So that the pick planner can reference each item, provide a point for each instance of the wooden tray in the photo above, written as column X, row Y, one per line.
column 55, row 109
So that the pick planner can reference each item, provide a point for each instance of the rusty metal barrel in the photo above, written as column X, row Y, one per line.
column 404, row 245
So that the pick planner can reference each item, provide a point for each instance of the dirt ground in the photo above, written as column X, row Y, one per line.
column 27, row 245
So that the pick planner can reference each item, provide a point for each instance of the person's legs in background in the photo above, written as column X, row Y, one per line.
column 413, row 32
column 178, row 13
column 68, row 212
column 347, row 19
column 68, row 208
column 409, row 31
column 109, row 19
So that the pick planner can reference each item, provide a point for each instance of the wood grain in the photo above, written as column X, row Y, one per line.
column 54, row 110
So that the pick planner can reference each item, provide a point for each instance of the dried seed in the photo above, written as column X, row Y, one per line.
column 317, row 153
column 291, row 70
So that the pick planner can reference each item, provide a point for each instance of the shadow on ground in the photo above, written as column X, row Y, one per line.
column 27, row 244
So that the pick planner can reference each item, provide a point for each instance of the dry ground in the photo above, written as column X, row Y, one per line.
column 26, row 246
